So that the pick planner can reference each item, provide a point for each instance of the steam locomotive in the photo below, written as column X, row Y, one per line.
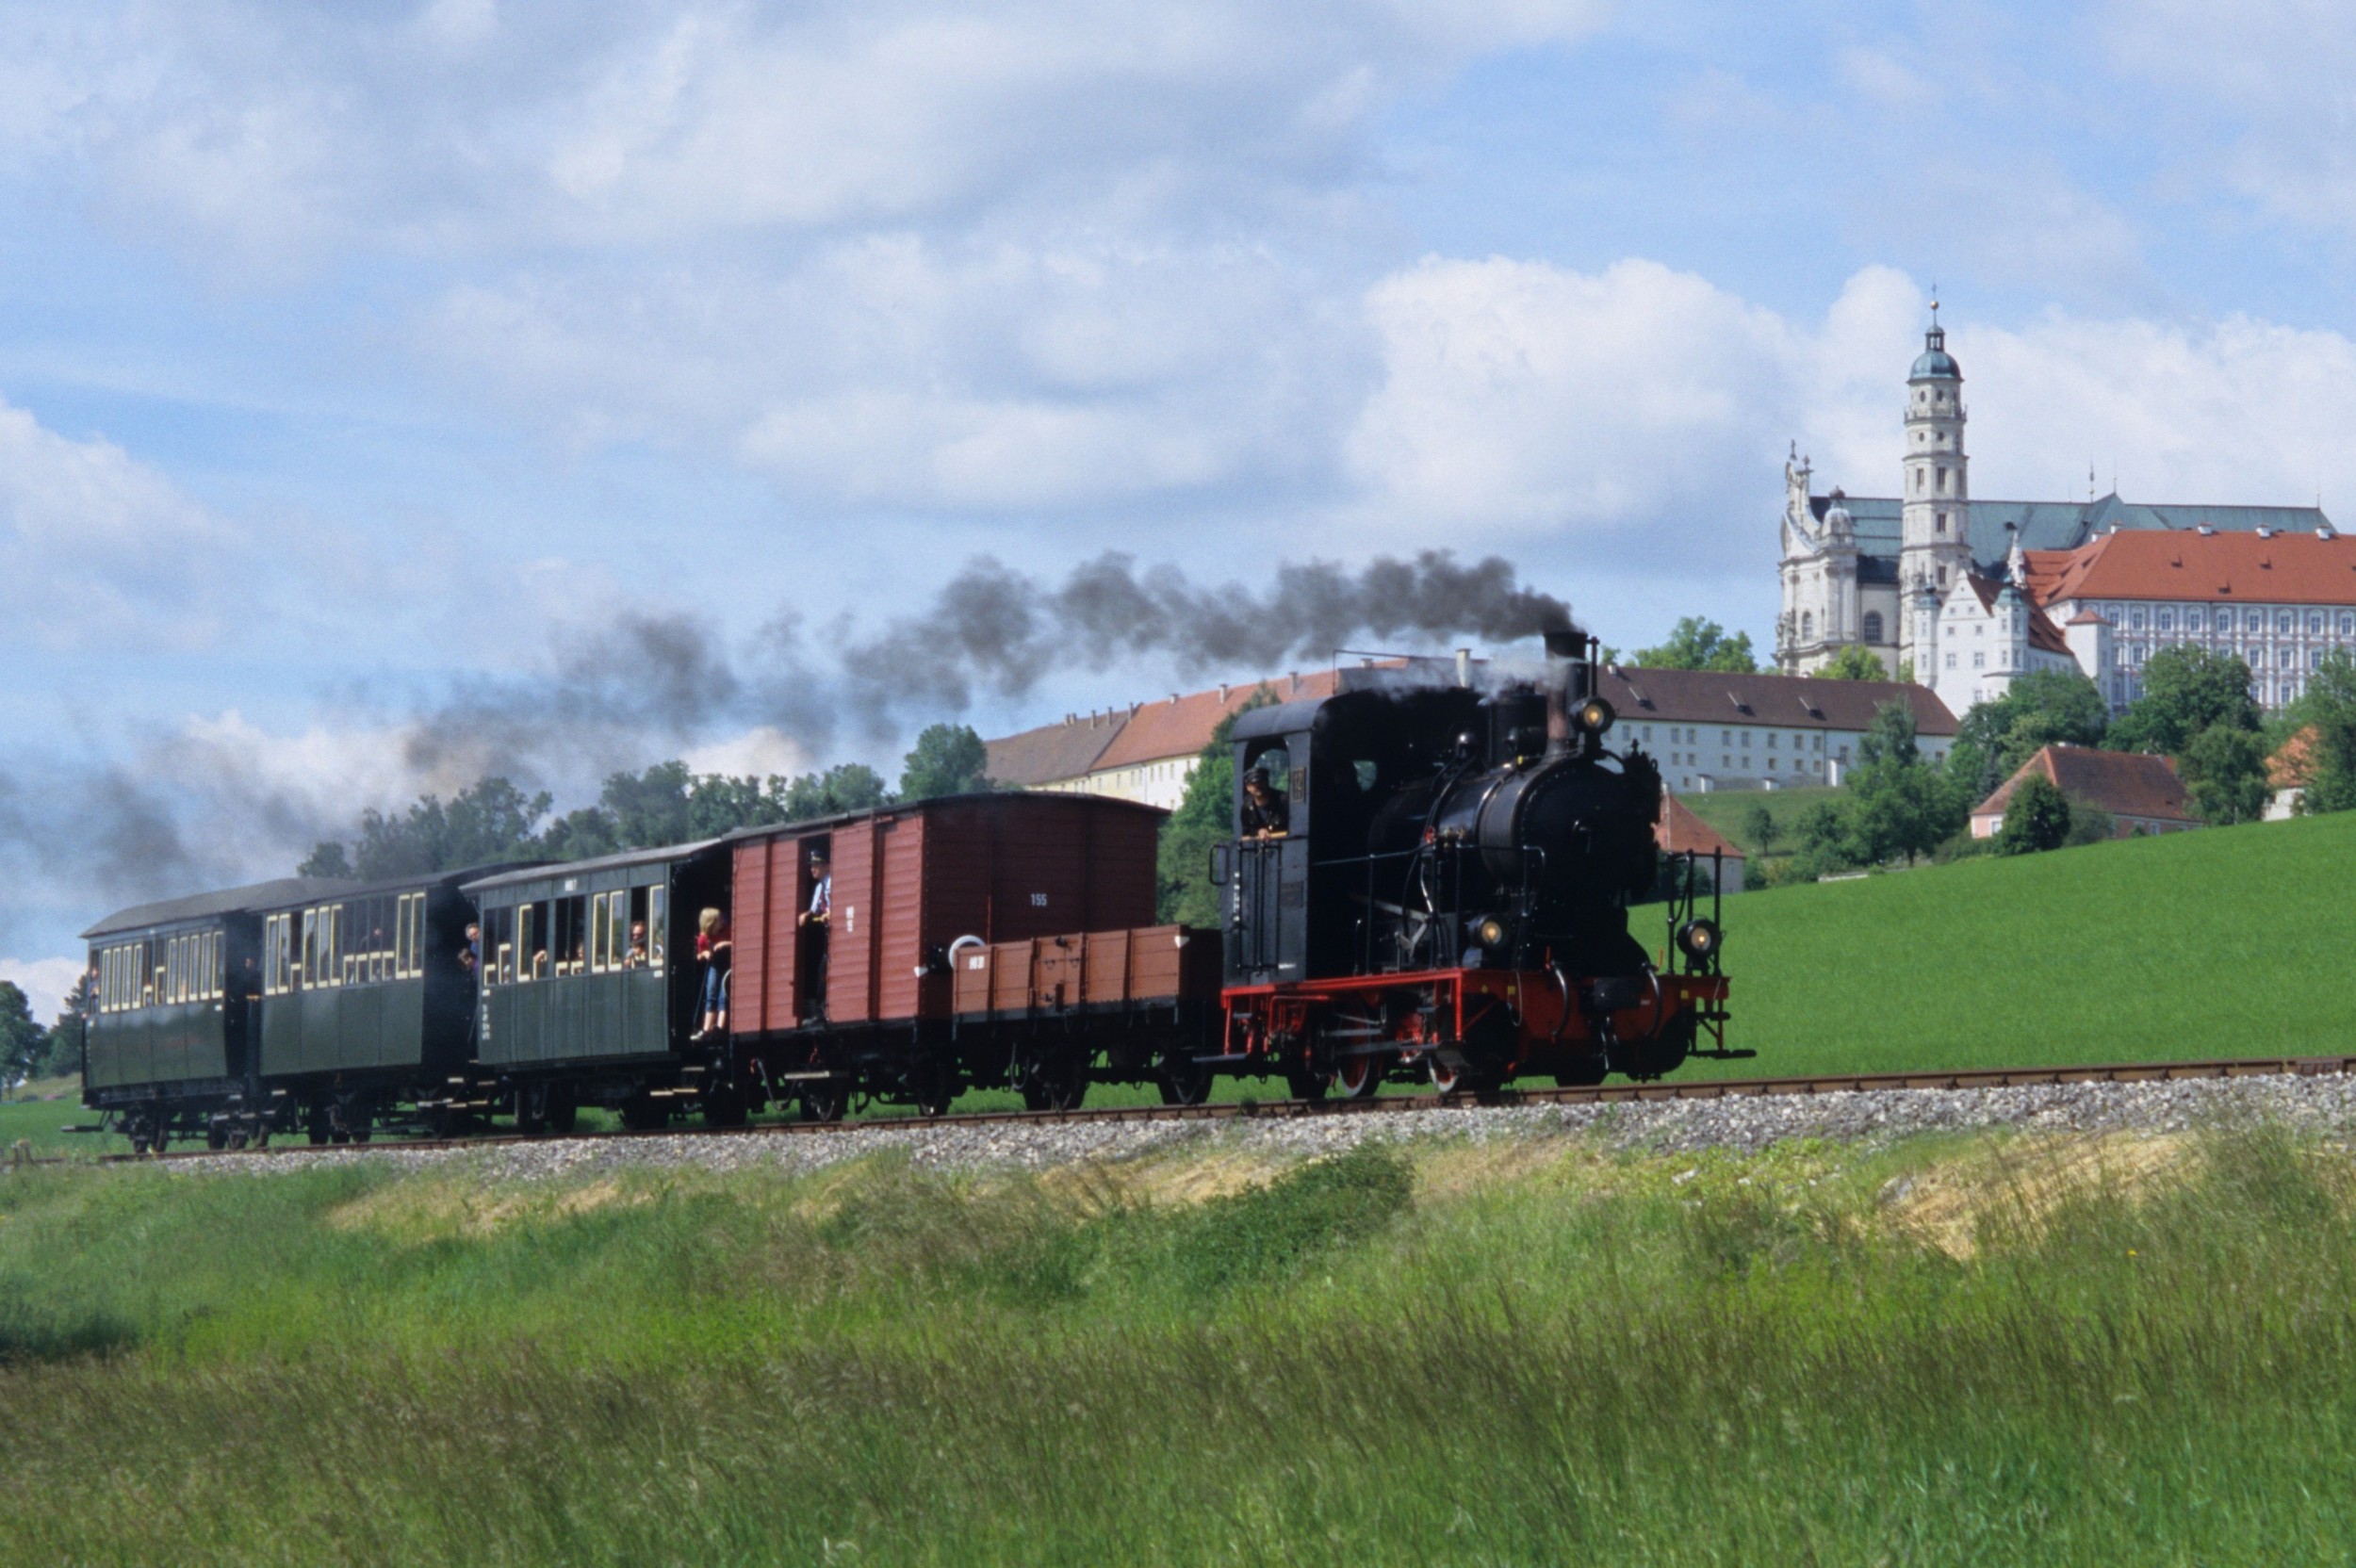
column 1447, row 899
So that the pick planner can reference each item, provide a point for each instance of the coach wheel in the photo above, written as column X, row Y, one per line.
column 532, row 1109
column 723, row 1106
column 216, row 1135
column 564, row 1110
column 934, row 1087
column 1307, row 1083
column 1585, row 1074
column 320, row 1125
column 1185, row 1082
column 239, row 1138
column 825, row 1101
column 1461, row 1076
column 642, row 1113
column 1052, row 1085
column 1360, row 1077
column 139, row 1139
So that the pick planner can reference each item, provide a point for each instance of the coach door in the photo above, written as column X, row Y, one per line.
column 1268, row 885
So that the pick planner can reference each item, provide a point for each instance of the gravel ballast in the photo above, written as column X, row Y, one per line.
column 1742, row 1124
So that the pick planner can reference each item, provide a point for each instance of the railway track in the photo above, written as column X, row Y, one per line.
column 1604, row 1094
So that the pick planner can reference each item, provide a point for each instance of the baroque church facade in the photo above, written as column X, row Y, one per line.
column 1953, row 591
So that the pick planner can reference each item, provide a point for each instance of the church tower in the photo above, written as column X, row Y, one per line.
column 1935, row 549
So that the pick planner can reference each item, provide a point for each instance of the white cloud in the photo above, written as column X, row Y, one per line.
column 1526, row 402
column 274, row 134
column 98, row 548
column 43, row 981
column 1531, row 398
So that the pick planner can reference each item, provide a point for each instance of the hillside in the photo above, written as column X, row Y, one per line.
column 1729, row 810
column 2224, row 942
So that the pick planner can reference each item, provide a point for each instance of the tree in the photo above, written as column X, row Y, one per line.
column 949, row 759
column 2328, row 705
column 489, row 821
column 1700, row 645
column 2225, row 772
column 2037, row 818
column 23, row 1042
column 2186, row 691
column 1205, row 817
column 1854, row 663
column 2042, row 708
column 1898, row 804
column 1760, row 828
column 844, row 787
column 327, row 858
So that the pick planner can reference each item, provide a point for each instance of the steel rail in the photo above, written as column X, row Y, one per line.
column 1251, row 1109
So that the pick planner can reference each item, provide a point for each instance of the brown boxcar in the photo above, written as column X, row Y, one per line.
column 1086, row 969
column 911, row 880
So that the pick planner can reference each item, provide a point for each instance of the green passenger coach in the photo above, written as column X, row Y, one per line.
column 368, row 1004
column 589, row 981
column 173, row 1046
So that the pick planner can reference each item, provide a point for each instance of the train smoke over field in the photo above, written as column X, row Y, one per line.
column 217, row 801
column 1002, row 630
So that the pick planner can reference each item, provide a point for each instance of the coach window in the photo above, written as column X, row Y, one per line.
column 532, row 942
column 658, row 924
column 499, row 943
column 572, row 934
column 617, row 929
column 600, row 913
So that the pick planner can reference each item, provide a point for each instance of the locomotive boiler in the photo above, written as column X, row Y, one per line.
column 1448, row 893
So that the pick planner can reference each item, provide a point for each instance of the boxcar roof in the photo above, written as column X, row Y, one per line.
column 227, row 901
column 546, row 869
column 1066, row 798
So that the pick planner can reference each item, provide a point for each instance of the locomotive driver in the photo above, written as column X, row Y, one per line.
column 1265, row 813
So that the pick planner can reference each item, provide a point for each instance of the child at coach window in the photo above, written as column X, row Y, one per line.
column 716, row 950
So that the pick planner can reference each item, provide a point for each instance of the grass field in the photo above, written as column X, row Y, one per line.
column 1728, row 810
column 1961, row 1352
column 2225, row 942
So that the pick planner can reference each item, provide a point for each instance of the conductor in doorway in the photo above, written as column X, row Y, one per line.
column 817, row 919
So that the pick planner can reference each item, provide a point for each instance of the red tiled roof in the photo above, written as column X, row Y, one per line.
column 2043, row 633
column 2155, row 564
column 1787, row 701
column 1681, row 829
column 2123, row 783
column 1181, row 726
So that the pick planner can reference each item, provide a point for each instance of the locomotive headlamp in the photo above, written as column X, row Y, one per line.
column 1491, row 931
column 1698, row 939
column 1593, row 716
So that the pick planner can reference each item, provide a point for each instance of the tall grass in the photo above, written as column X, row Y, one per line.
column 1371, row 1360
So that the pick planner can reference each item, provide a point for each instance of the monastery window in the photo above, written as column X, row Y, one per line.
column 2135, row 618
column 2192, row 620
column 1872, row 626
column 1979, row 661
column 1950, row 660
column 2315, row 624
column 1940, row 525
column 1807, row 623
column 1942, row 577
column 2290, row 659
column 2348, row 624
column 1942, row 481
column 1725, row 737
column 1771, row 739
column 2314, row 658
column 2283, row 622
column 2168, row 620
column 1820, row 743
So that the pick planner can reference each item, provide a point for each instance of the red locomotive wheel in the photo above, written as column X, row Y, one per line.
column 1360, row 1077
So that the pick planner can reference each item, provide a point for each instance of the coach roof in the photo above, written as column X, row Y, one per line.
column 227, row 901
column 547, row 870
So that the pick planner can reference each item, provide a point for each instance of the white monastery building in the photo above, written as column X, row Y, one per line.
column 1966, row 595
column 1705, row 730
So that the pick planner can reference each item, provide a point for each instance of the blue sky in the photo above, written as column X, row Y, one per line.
column 367, row 373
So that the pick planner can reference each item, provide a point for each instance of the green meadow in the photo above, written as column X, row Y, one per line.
column 2231, row 941
column 1983, row 1351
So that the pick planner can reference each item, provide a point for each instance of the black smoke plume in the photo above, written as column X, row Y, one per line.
column 1002, row 631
